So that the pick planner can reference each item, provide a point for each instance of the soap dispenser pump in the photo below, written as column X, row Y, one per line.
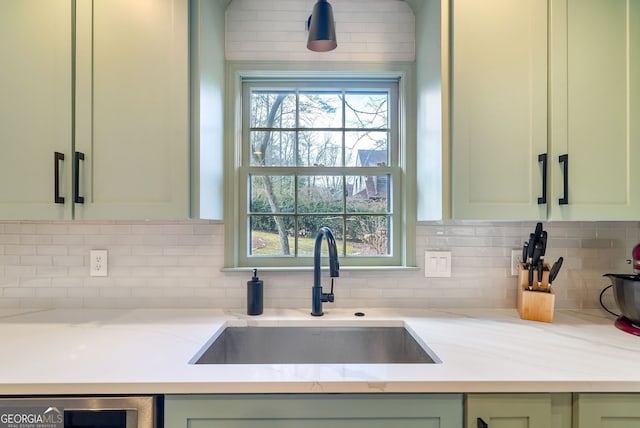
column 254, row 295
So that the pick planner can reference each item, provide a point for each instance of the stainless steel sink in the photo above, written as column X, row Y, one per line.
column 315, row 345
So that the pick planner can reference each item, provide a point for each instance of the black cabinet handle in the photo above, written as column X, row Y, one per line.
column 564, row 159
column 57, row 158
column 542, row 158
column 76, row 182
column 482, row 424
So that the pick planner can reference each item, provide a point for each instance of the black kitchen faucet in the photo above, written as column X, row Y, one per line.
column 334, row 270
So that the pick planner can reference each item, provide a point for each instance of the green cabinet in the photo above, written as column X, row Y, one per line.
column 594, row 106
column 534, row 410
column 606, row 411
column 498, row 107
column 35, row 107
column 104, row 83
column 132, row 108
column 518, row 410
column 314, row 411
column 560, row 78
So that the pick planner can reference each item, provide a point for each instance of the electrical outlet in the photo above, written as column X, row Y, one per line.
column 515, row 262
column 437, row 264
column 98, row 263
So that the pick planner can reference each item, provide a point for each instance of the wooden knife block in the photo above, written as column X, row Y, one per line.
column 535, row 305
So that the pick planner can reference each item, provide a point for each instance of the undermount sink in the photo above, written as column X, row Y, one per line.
column 315, row 345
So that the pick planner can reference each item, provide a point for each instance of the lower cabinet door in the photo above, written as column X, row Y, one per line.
column 518, row 410
column 314, row 411
column 606, row 411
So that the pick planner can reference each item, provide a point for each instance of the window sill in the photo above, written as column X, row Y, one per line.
column 310, row 269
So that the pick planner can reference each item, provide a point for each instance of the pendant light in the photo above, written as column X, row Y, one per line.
column 322, row 28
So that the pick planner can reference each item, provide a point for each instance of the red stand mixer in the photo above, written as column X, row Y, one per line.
column 626, row 290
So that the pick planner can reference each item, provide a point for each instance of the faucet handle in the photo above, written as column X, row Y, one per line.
column 328, row 297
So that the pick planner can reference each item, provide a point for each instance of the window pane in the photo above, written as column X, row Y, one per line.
column 368, row 194
column 320, row 148
column 320, row 110
column 270, row 235
column 366, row 110
column 272, row 109
column 313, row 224
column 370, row 148
column 368, row 235
column 272, row 148
column 320, row 194
column 271, row 194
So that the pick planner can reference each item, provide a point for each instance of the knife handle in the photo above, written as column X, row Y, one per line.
column 538, row 231
column 531, row 247
column 553, row 273
column 540, row 271
column 543, row 241
column 537, row 253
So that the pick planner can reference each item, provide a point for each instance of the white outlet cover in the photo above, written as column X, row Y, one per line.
column 98, row 263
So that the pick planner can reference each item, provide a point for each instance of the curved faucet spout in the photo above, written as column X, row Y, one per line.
column 334, row 270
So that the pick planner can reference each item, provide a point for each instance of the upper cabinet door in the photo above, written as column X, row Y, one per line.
column 132, row 122
column 498, row 108
column 595, row 108
column 35, row 108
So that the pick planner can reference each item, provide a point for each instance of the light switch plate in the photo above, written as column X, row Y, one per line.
column 437, row 264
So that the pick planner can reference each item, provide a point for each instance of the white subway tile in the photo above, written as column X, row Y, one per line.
column 70, row 240
column 35, row 282
column 13, row 292
column 52, row 250
column 20, row 250
column 185, row 270
column 52, row 229
column 52, row 271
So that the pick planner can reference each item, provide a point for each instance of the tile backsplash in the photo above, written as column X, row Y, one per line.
column 179, row 264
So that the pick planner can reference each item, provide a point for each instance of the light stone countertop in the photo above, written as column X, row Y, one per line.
column 148, row 351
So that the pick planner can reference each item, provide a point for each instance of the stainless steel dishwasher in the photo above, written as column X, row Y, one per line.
column 82, row 412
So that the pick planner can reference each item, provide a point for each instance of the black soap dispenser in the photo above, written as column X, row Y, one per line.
column 254, row 295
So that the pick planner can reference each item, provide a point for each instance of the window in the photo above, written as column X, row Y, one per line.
column 319, row 153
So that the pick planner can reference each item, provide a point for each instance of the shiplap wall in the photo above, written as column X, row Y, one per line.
column 275, row 30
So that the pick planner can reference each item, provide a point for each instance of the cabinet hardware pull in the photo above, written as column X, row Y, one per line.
column 57, row 158
column 76, row 182
column 482, row 424
column 564, row 159
column 542, row 158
